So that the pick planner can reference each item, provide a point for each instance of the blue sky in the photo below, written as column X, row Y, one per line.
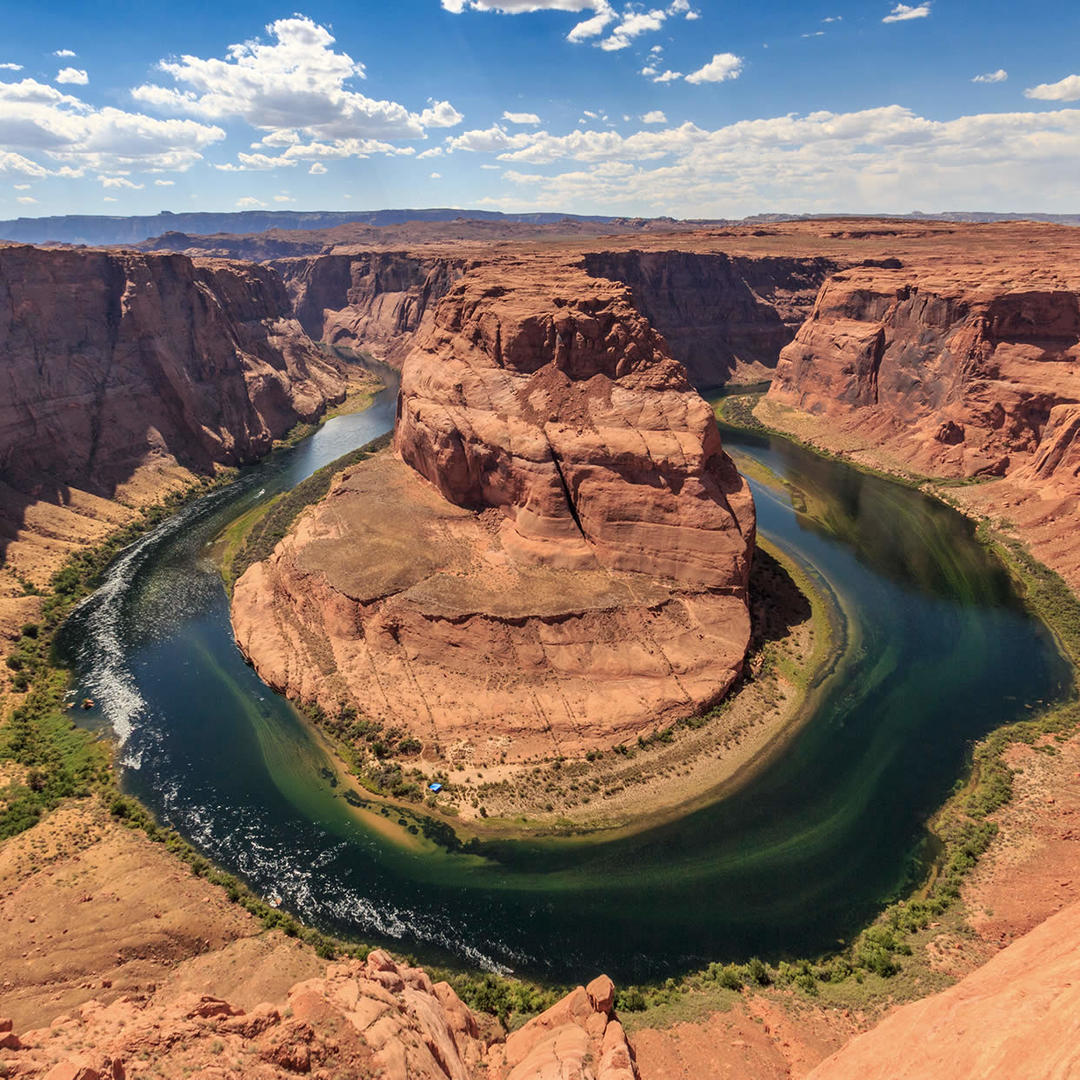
column 692, row 108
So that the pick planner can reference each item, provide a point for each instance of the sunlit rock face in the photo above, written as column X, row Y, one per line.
column 554, row 558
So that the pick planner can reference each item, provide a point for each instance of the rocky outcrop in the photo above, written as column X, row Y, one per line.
column 725, row 318
column 556, row 560
column 110, row 361
column 376, row 1018
column 373, row 302
column 1017, row 1017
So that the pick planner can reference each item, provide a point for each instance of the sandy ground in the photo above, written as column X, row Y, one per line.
column 90, row 909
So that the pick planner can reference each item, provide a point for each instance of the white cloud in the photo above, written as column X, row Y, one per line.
column 720, row 68
column 164, row 183
column 72, row 75
column 814, row 33
column 436, row 176
column 655, row 117
column 521, row 117
column 588, row 28
column 904, row 12
column 10, row 67
column 292, row 88
column 992, row 76
column 1067, row 89
column 488, row 140
column 249, row 202
column 16, row 163
column 441, row 114
column 493, row 168
column 109, row 198
column 887, row 159
column 434, row 151
column 120, row 182
column 634, row 23
column 26, row 200
column 67, row 136
column 284, row 197
column 317, row 169
column 833, row 18
column 22, row 187
column 64, row 52
column 667, row 76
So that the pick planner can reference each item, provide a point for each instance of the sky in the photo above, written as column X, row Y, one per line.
column 687, row 108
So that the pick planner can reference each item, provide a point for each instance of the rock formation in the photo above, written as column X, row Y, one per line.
column 108, row 361
column 371, row 301
column 375, row 1018
column 556, row 559
column 725, row 319
column 1018, row 1016
column 965, row 367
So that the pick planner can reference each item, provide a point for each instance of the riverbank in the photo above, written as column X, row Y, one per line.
column 799, row 631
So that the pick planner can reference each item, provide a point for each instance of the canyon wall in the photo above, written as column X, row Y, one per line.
column 559, row 552
column 969, row 371
column 372, row 302
column 725, row 318
column 109, row 360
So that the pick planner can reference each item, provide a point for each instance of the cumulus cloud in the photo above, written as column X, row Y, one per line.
column 26, row 199
column 521, row 117
column 435, row 176
column 63, row 135
column 249, row 202
column 629, row 25
column 633, row 24
column 1067, row 89
column 720, row 68
column 120, row 182
column 294, row 87
column 10, row 67
column 904, row 12
column 656, row 116
column 72, row 75
column 64, row 52
column 441, row 114
column 284, row 197
column 164, row 183
column 992, row 76
column 873, row 160
column 11, row 163
column 317, row 169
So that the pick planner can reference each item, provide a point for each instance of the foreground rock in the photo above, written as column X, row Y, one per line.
column 375, row 1018
column 557, row 558
column 1017, row 1017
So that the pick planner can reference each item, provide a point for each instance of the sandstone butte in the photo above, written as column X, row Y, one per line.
column 556, row 556
column 944, row 349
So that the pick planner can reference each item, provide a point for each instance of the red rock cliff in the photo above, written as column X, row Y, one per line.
column 109, row 360
column 373, row 301
column 725, row 318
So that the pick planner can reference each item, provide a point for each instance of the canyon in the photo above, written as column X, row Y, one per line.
column 555, row 482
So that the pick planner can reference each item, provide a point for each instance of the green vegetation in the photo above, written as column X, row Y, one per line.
column 59, row 760
column 265, row 530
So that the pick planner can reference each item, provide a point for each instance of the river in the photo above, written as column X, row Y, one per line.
column 939, row 651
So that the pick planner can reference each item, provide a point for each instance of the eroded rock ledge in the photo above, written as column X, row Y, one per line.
column 555, row 558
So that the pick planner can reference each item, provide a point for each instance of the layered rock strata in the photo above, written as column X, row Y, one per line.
column 556, row 558
column 970, row 371
column 725, row 318
column 373, row 301
column 109, row 360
